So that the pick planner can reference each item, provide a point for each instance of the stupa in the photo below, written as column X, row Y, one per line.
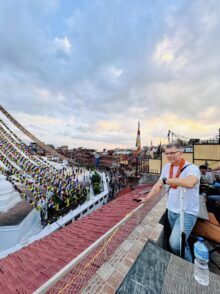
column 8, row 196
column 18, row 219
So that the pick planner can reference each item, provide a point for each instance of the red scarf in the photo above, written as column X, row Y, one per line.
column 180, row 167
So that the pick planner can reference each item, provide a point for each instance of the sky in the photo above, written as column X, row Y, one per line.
column 84, row 72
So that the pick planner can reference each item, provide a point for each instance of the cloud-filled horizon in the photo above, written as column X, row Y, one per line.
column 83, row 73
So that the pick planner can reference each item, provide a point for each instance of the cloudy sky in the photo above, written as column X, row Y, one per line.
column 83, row 72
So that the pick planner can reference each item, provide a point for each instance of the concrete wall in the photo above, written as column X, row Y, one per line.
column 154, row 166
column 207, row 152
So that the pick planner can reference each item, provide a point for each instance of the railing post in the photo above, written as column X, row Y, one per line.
column 105, row 250
column 138, row 217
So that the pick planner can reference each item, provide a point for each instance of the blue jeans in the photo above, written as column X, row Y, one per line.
column 189, row 222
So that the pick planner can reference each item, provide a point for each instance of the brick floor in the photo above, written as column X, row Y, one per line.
column 115, row 279
column 107, row 289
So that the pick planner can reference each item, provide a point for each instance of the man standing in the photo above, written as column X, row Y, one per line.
column 179, row 173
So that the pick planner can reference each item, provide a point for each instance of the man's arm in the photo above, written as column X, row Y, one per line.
column 154, row 191
column 187, row 182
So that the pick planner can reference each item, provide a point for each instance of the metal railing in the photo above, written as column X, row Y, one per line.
column 74, row 276
column 148, row 178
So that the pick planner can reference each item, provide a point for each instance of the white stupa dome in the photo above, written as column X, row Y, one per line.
column 5, row 186
column 8, row 196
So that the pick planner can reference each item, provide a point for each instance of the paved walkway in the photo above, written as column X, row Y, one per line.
column 158, row 271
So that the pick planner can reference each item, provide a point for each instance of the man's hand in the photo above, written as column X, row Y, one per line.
column 143, row 199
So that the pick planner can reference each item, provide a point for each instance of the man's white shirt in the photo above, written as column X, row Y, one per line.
column 191, row 195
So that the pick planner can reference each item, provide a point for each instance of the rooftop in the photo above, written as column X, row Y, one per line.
column 27, row 269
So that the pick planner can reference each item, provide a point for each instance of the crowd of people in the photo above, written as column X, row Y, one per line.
column 50, row 190
column 116, row 180
column 54, row 204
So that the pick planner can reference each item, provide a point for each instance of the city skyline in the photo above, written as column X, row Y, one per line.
column 84, row 73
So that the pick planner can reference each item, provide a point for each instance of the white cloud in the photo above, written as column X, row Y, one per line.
column 62, row 44
column 129, row 63
column 115, row 72
column 164, row 51
column 170, row 52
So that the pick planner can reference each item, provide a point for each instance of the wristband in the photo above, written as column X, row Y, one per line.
column 164, row 180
